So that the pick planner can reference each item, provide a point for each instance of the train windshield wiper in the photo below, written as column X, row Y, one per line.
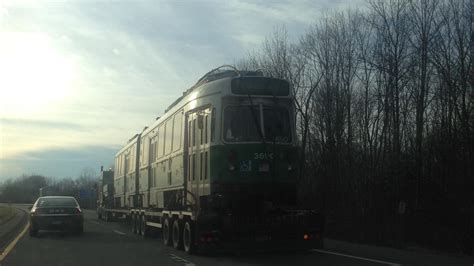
column 255, row 119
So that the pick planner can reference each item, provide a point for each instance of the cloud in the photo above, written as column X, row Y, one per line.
column 57, row 162
column 31, row 123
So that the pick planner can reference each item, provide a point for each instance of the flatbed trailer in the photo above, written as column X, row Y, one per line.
column 225, row 234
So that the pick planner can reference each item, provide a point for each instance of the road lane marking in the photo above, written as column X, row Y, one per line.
column 355, row 257
column 12, row 244
column 179, row 259
column 120, row 233
column 95, row 222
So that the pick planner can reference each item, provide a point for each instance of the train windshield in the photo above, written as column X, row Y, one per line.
column 252, row 124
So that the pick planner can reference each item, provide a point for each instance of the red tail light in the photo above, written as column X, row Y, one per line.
column 232, row 156
column 209, row 236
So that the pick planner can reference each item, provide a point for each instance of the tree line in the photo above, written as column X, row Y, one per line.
column 26, row 189
column 384, row 104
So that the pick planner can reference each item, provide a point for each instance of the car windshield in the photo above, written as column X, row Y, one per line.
column 241, row 124
column 56, row 202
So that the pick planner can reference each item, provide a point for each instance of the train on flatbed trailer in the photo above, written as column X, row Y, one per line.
column 218, row 169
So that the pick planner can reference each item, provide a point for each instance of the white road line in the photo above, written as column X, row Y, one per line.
column 12, row 244
column 179, row 259
column 120, row 233
column 354, row 257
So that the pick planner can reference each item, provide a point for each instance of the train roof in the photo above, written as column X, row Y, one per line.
column 215, row 74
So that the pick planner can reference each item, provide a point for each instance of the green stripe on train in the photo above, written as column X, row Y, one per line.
column 253, row 163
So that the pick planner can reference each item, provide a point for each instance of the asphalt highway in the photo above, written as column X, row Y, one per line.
column 112, row 243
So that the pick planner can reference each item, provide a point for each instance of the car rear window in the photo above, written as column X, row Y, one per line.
column 56, row 202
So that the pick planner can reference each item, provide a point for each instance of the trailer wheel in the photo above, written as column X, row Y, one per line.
column 188, row 238
column 177, row 235
column 145, row 232
column 107, row 216
column 166, row 232
column 133, row 222
column 138, row 219
column 141, row 222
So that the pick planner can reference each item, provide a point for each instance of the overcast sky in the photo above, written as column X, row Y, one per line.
column 79, row 78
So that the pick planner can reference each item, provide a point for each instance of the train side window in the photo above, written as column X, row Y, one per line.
column 140, row 156
column 189, row 134
column 152, row 144
column 161, row 141
column 168, row 136
column 201, row 168
column 205, row 129
column 177, row 126
column 190, row 168
column 201, row 128
column 152, row 177
column 213, row 124
column 153, row 149
column 194, row 132
column 205, row 165
column 193, row 167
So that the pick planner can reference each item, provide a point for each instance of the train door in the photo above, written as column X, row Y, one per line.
column 198, row 144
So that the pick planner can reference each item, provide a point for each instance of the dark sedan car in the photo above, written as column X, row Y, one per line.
column 56, row 213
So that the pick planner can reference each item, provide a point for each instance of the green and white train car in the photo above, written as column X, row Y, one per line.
column 219, row 167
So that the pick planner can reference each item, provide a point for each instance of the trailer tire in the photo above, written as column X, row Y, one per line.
column 177, row 235
column 189, row 243
column 166, row 232
column 144, row 232
column 138, row 219
column 133, row 221
column 107, row 216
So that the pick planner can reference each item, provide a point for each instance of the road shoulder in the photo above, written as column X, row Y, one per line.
column 398, row 256
column 10, row 229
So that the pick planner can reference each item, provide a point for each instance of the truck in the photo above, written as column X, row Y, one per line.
column 217, row 171
column 48, row 191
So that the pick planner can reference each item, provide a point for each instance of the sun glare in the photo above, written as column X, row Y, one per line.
column 34, row 76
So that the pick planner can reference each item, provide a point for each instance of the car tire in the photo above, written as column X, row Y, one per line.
column 167, row 232
column 189, row 244
column 320, row 244
column 80, row 230
column 33, row 231
column 177, row 235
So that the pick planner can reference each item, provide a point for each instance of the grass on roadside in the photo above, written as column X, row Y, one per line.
column 6, row 212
